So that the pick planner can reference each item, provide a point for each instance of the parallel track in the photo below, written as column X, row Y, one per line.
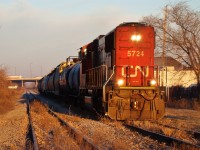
column 170, row 141
column 75, row 134
column 83, row 141
column 195, row 134
column 31, row 140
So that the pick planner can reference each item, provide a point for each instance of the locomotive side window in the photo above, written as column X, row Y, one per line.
column 109, row 42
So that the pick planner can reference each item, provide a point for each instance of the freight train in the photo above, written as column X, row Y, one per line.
column 113, row 74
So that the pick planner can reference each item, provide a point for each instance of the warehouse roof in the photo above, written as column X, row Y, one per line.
column 169, row 61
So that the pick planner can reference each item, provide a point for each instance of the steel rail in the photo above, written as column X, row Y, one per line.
column 75, row 134
column 194, row 133
column 170, row 141
column 31, row 129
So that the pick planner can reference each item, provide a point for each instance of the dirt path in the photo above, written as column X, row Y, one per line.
column 13, row 127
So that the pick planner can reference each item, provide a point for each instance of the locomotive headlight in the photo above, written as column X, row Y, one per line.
column 153, row 82
column 133, row 37
column 120, row 82
column 85, row 51
column 136, row 37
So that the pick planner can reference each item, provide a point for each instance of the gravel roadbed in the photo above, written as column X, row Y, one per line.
column 13, row 127
column 111, row 135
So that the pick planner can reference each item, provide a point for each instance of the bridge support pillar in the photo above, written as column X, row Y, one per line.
column 36, row 83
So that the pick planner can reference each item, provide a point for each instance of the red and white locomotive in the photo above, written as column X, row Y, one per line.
column 115, row 74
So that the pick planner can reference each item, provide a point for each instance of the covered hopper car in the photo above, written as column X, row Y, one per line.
column 114, row 73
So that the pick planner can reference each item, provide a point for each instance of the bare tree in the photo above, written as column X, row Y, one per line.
column 181, row 28
column 3, row 77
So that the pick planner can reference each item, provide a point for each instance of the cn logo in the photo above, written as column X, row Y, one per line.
column 144, row 72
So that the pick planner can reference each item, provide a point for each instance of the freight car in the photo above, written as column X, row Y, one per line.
column 114, row 73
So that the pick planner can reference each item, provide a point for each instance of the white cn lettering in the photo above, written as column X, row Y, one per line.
column 144, row 73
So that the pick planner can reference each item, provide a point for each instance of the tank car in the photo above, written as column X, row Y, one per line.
column 115, row 74
column 70, row 77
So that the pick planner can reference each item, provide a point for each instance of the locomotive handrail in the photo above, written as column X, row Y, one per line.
column 104, row 86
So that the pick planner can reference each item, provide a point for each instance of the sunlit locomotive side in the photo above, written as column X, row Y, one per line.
column 114, row 74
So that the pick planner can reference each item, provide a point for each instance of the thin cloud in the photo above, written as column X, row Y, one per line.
column 47, row 37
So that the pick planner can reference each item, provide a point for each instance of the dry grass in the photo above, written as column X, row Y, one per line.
column 6, row 105
column 7, row 96
column 50, row 134
column 38, row 108
column 101, row 133
column 176, row 133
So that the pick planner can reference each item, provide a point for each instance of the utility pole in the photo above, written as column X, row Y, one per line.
column 164, row 43
column 164, row 68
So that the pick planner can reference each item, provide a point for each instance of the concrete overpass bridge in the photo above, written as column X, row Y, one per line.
column 21, row 81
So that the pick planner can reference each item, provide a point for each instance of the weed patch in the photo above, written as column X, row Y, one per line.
column 7, row 96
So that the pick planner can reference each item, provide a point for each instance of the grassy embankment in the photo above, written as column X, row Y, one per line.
column 7, row 96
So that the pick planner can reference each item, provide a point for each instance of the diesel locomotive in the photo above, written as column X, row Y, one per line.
column 114, row 74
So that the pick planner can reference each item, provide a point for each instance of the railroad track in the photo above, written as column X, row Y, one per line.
column 81, row 140
column 86, row 142
column 170, row 141
column 75, row 134
column 31, row 140
column 194, row 134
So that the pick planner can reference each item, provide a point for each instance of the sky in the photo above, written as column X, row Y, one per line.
column 37, row 35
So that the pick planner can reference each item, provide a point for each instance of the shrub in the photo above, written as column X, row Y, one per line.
column 6, row 95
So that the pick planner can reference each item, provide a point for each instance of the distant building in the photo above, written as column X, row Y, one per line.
column 169, row 62
column 174, row 73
